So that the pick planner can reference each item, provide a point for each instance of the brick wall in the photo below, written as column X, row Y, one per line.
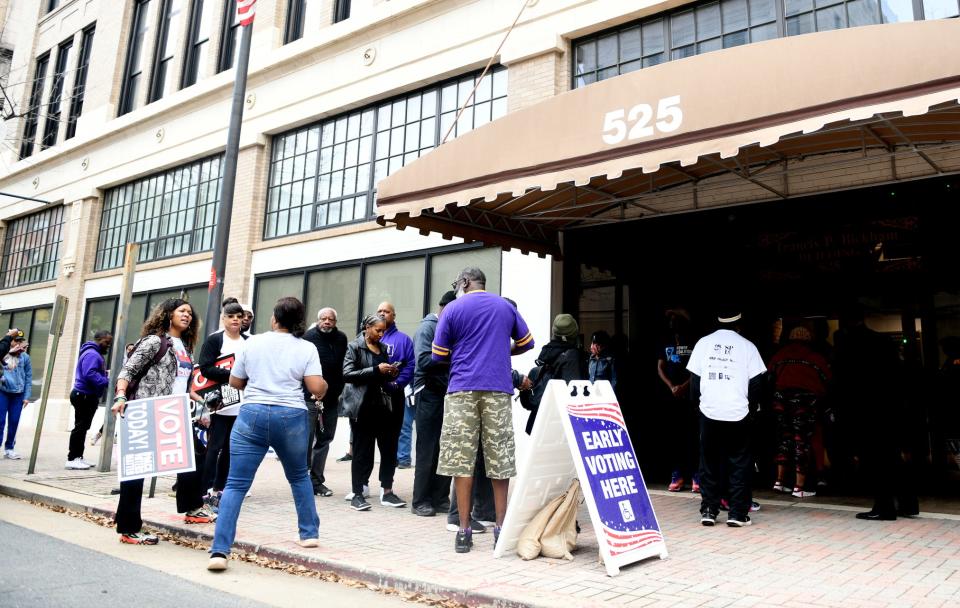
column 537, row 78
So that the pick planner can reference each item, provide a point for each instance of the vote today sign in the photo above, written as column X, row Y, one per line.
column 584, row 434
column 156, row 438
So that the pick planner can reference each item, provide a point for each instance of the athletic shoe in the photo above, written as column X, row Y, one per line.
column 475, row 526
column 88, row 463
column 464, row 541
column 754, row 506
column 391, row 500
column 212, row 501
column 708, row 519
column 322, row 490
column 725, row 506
column 199, row 516
column 801, row 493
column 12, row 455
column 366, row 493
column 676, row 483
column 779, row 487
column 358, row 503
column 695, row 486
column 77, row 464
column 217, row 563
column 403, row 465
column 423, row 510
column 345, row 458
column 309, row 543
column 96, row 438
column 739, row 523
column 486, row 523
column 139, row 538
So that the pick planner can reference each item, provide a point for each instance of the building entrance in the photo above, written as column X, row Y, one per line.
column 888, row 253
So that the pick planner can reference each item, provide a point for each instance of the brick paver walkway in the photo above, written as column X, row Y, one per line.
column 794, row 555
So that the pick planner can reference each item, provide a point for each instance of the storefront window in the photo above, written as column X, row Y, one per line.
column 35, row 325
column 31, row 248
column 400, row 283
column 711, row 26
column 337, row 289
column 268, row 292
column 445, row 268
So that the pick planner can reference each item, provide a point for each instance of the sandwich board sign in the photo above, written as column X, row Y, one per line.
column 580, row 431
column 156, row 438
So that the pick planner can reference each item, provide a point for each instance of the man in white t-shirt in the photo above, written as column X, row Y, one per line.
column 727, row 374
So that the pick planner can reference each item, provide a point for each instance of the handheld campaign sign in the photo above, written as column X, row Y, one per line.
column 156, row 438
column 580, row 431
column 202, row 385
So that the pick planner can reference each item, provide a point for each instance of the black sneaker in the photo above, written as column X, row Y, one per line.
column 464, row 541
column 475, row 526
column 359, row 503
column 390, row 499
column 739, row 522
column 403, row 465
column 345, row 458
column 322, row 490
column 708, row 519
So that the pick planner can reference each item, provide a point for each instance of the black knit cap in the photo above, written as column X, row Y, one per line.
column 447, row 297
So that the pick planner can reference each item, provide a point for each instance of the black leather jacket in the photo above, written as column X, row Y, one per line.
column 360, row 369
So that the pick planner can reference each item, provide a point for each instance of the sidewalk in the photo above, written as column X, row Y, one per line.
column 794, row 555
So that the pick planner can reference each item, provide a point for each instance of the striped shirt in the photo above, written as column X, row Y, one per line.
column 473, row 334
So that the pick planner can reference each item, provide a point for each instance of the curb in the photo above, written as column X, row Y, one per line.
column 373, row 576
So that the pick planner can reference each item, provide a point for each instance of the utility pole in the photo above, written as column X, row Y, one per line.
column 222, row 238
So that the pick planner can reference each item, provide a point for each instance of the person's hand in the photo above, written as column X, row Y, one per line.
column 118, row 405
column 204, row 421
column 525, row 384
column 386, row 369
column 676, row 389
column 25, row 403
column 12, row 332
column 593, row 349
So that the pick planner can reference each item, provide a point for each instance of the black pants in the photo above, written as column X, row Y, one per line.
column 483, row 508
column 683, row 416
column 376, row 426
column 725, row 465
column 216, row 465
column 84, row 408
column 429, row 488
column 322, row 431
column 889, row 477
column 189, row 496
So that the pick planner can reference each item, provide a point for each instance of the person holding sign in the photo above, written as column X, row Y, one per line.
column 159, row 365
column 230, row 341
column 474, row 335
column 726, row 375
column 272, row 370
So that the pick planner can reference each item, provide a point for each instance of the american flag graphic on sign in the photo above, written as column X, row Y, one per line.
column 246, row 10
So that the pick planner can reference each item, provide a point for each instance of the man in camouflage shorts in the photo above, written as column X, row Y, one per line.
column 474, row 335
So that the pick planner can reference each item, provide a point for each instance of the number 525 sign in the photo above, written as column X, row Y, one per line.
column 634, row 123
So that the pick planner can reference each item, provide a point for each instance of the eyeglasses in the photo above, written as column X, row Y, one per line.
column 456, row 283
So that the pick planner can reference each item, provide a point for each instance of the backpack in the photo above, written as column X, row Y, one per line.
column 134, row 383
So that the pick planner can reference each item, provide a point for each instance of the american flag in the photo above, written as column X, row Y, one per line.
column 246, row 10
column 621, row 542
column 605, row 411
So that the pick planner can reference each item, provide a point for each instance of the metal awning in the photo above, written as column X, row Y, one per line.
column 770, row 120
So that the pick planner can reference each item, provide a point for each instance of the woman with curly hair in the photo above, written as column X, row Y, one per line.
column 272, row 370
column 159, row 365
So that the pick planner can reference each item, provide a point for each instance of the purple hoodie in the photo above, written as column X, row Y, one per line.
column 399, row 348
column 91, row 374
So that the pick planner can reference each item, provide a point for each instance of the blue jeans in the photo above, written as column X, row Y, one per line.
column 259, row 427
column 11, row 404
column 406, row 434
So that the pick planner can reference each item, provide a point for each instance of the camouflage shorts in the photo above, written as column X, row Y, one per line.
column 468, row 417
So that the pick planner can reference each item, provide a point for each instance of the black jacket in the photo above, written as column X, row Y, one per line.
column 360, row 369
column 562, row 361
column 209, row 353
column 5, row 345
column 332, row 348
column 430, row 374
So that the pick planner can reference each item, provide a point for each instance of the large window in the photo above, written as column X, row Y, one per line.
column 341, row 10
column 710, row 26
column 198, row 43
column 326, row 173
column 133, row 71
column 167, row 43
column 296, row 12
column 33, row 111
column 31, row 248
column 52, row 126
column 35, row 325
column 230, row 31
column 170, row 214
column 413, row 283
column 80, row 81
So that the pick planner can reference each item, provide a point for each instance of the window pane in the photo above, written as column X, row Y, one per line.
column 763, row 32
column 270, row 290
column 793, row 7
column 607, row 51
column 586, row 57
column 734, row 15
column 762, row 11
column 445, row 268
column 939, row 9
column 735, row 39
column 652, row 37
column 708, row 21
column 338, row 289
column 832, row 18
column 710, row 45
column 682, row 30
column 630, row 48
column 863, row 12
column 37, row 336
column 101, row 314
column 801, row 24
column 895, row 11
column 401, row 284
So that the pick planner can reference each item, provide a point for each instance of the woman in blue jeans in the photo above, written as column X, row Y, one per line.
column 272, row 369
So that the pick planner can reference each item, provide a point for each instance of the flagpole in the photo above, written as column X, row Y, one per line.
column 222, row 238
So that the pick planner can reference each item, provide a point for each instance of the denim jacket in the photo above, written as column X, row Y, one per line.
column 20, row 378
column 603, row 368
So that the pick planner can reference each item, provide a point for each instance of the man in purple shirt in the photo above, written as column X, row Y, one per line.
column 474, row 334
column 400, row 351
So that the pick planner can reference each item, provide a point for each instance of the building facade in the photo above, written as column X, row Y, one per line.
column 116, row 116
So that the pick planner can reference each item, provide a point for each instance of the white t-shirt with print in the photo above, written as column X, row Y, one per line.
column 184, row 367
column 725, row 362
column 232, row 347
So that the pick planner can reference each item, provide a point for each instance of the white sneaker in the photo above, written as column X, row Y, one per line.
column 89, row 464
column 77, row 464
column 366, row 493
column 14, row 456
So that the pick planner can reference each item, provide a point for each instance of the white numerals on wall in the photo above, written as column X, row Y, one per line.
column 640, row 121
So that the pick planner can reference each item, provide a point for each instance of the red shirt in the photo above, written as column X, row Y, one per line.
column 797, row 366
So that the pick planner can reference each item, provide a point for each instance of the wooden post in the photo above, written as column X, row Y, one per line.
column 119, row 351
column 59, row 316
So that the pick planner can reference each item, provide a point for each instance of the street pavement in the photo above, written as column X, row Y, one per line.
column 796, row 554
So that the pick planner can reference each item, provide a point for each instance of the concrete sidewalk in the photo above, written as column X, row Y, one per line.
column 794, row 555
